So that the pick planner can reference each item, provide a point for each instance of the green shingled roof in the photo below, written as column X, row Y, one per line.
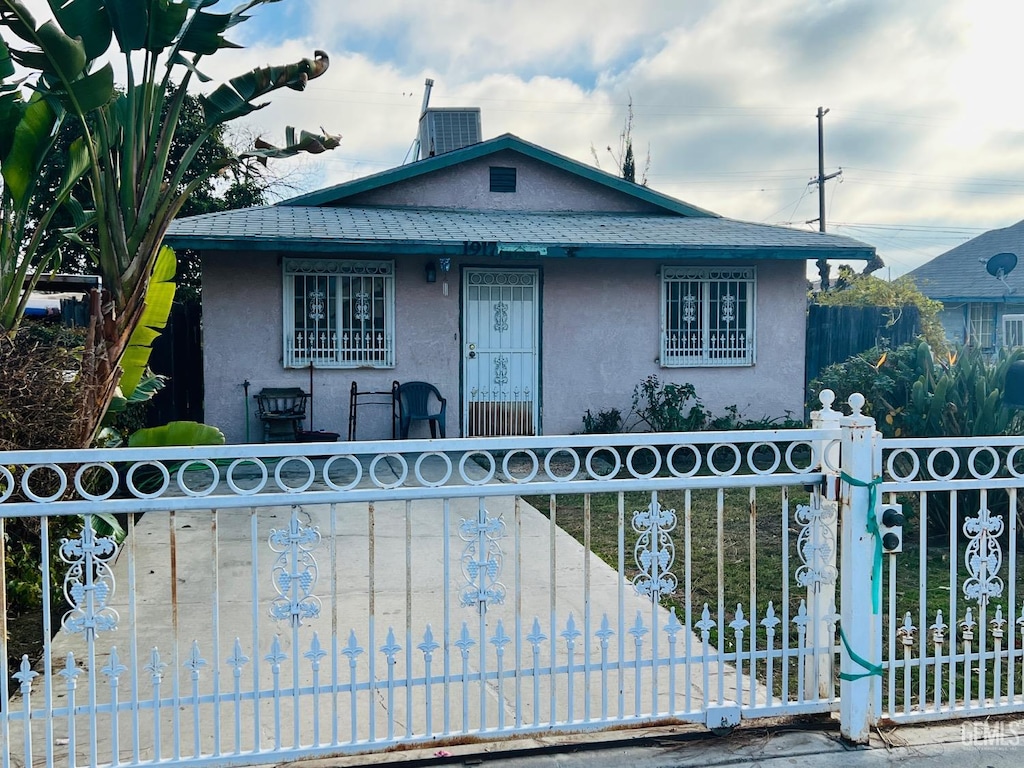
column 443, row 232
column 326, row 221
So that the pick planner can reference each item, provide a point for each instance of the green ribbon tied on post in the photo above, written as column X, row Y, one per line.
column 871, row 669
column 872, row 524
column 876, row 574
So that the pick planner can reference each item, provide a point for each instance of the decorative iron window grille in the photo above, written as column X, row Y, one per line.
column 339, row 314
column 707, row 316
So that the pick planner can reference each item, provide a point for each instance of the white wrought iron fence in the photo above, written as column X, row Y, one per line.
column 954, row 633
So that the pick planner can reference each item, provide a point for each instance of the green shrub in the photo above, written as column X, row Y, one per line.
column 910, row 392
column 671, row 407
column 605, row 422
column 884, row 376
column 668, row 407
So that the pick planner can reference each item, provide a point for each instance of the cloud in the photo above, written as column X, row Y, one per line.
column 923, row 114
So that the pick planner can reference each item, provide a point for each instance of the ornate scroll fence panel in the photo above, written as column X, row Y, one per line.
column 269, row 602
column 953, row 635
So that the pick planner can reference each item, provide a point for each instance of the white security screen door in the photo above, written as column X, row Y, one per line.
column 500, row 319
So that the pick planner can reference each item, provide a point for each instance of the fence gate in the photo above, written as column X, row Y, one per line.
column 276, row 601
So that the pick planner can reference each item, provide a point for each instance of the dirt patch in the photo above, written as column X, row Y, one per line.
column 25, row 636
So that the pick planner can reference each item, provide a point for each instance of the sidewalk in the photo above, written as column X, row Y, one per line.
column 810, row 743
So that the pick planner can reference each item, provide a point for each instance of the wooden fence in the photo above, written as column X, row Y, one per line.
column 835, row 334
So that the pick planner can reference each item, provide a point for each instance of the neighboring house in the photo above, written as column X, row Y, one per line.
column 982, row 306
column 526, row 286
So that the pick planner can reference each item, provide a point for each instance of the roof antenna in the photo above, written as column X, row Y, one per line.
column 999, row 266
column 414, row 150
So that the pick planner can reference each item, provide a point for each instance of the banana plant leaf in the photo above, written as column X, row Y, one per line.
column 159, row 298
column 11, row 110
column 94, row 90
column 233, row 99
column 165, row 22
column 311, row 143
column 151, row 384
column 55, row 53
column 130, row 21
column 176, row 433
column 205, row 34
column 30, row 142
column 76, row 168
column 89, row 21
column 6, row 65
column 16, row 17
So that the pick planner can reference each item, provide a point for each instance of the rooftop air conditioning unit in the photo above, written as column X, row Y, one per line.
column 447, row 129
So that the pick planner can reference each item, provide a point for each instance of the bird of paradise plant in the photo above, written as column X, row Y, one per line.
column 122, row 154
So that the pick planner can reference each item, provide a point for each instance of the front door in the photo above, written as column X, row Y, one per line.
column 500, row 333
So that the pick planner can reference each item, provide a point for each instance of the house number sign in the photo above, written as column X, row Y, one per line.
column 479, row 248
column 505, row 250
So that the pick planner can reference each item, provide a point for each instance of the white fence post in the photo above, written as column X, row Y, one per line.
column 860, row 621
column 819, row 555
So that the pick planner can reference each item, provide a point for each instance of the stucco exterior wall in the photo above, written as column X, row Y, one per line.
column 601, row 338
column 600, row 334
column 243, row 339
column 539, row 187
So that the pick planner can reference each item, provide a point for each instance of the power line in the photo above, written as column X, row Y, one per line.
column 979, row 179
column 913, row 227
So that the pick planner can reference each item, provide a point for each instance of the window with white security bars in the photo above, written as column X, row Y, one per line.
column 707, row 316
column 981, row 325
column 1013, row 331
column 339, row 314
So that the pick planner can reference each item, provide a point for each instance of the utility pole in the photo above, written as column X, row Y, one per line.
column 823, row 268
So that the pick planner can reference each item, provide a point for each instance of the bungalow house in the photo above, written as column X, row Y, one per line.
column 526, row 286
column 981, row 292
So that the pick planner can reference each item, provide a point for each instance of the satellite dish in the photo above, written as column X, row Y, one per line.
column 1000, row 265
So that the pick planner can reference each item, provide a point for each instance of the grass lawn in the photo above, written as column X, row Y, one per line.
column 735, row 573
column 743, row 549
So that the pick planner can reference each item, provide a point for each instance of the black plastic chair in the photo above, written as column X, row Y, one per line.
column 420, row 401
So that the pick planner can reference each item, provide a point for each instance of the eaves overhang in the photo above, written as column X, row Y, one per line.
column 1004, row 299
column 560, row 251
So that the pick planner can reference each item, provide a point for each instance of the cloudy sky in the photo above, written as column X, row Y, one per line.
column 925, row 120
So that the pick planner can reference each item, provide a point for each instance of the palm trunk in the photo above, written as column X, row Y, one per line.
column 106, row 339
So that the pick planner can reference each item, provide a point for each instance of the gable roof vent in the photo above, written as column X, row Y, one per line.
column 446, row 129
